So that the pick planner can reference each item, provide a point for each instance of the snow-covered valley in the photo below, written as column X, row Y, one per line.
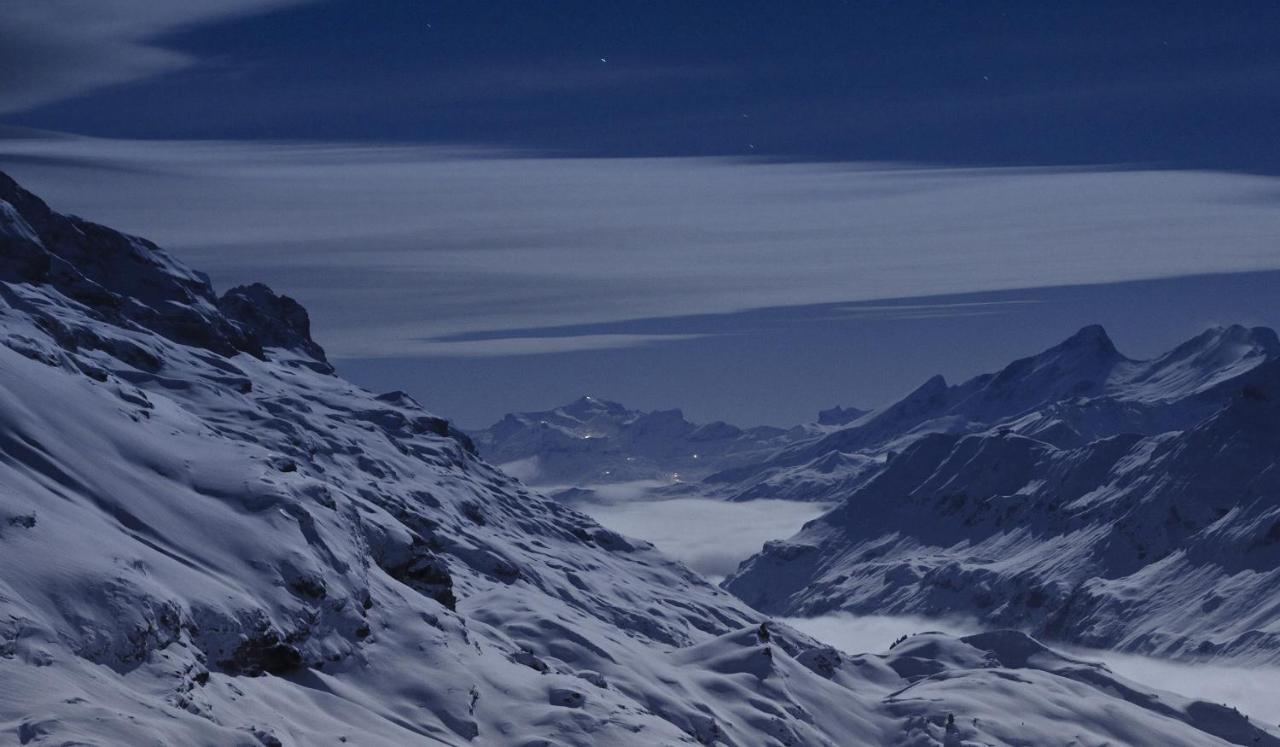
column 1084, row 496
column 709, row 535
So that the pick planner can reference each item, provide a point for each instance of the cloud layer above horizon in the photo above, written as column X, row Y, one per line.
column 57, row 49
column 421, row 251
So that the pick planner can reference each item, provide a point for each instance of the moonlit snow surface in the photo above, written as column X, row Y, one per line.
column 875, row 633
column 713, row 536
column 710, row 536
column 1251, row 689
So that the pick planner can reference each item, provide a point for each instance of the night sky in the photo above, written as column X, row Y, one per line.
column 1185, row 85
column 490, row 203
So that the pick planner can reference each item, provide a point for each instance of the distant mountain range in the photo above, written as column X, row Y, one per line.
column 1069, row 395
column 596, row 441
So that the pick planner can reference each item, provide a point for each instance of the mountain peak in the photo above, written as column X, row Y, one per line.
column 1262, row 338
column 935, row 385
column 85, row 260
column 1090, row 337
column 1216, row 347
column 22, row 201
column 840, row 415
column 587, row 406
column 272, row 320
column 1087, row 354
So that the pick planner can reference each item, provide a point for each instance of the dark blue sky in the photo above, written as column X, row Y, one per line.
column 780, row 366
column 496, row 205
column 1178, row 84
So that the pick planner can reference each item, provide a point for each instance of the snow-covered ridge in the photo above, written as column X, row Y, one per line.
column 206, row 537
column 130, row 281
column 1077, row 494
column 1070, row 395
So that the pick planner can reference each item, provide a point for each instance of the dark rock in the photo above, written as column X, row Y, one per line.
column 125, row 280
column 472, row 511
column 566, row 698
column 267, row 739
column 426, row 572
column 26, row 521
column 311, row 588
column 271, row 320
column 593, row 677
column 528, row 659
column 265, row 653
column 823, row 661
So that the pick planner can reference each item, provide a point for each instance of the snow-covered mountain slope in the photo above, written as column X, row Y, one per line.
column 592, row 441
column 208, row 538
column 1164, row 544
column 1069, row 395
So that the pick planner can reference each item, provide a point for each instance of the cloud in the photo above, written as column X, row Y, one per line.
column 499, row 346
column 56, row 49
column 710, row 536
column 404, row 251
column 932, row 310
column 1250, row 688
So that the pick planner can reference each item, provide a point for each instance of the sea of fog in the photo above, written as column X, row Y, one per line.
column 713, row 537
column 1254, row 690
column 710, row 536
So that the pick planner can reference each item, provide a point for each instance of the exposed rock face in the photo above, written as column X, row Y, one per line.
column 126, row 280
column 122, row 279
column 270, row 320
